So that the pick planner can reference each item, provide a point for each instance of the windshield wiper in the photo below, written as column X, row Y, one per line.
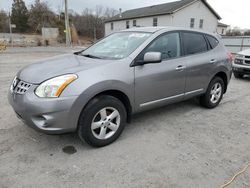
column 91, row 56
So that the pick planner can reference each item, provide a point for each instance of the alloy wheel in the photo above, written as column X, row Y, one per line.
column 105, row 123
column 216, row 93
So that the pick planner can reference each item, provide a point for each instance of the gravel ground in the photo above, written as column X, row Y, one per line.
column 181, row 145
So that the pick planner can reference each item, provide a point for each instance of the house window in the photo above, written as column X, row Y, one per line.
column 112, row 26
column 201, row 23
column 222, row 31
column 134, row 23
column 127, row 24
column 155, row 22
column 192, row 20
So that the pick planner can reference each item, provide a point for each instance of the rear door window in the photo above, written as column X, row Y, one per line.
column 212, row 41
column 194, row 43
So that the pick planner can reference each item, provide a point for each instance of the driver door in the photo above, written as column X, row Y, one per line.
column 161, row 83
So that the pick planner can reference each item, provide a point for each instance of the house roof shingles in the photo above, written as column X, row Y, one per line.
column 222, row 24
column 161, row 9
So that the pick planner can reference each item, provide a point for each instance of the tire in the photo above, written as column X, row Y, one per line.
column 213, row 95
column 238, row 75
column 97, row 129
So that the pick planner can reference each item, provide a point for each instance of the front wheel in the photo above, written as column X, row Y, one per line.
column 214, row 94
column 102, row 121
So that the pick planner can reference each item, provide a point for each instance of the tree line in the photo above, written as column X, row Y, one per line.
column 89, row 23
column 237, row 32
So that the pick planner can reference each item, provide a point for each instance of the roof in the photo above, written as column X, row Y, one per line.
column 161, row 9
column 222, row 24
column 145, row 29
column 164, row 29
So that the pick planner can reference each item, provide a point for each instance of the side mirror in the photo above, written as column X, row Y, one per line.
column 149, row 57
column 152, row 57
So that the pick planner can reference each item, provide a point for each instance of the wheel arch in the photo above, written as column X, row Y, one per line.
column 114, row 93
column 119, row 95
column 223, row 76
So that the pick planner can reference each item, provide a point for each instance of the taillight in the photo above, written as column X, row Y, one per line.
column 230, row 57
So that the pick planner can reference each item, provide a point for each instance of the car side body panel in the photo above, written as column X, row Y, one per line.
column 146, row 87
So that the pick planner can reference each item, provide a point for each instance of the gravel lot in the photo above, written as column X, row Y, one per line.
column 181, row 145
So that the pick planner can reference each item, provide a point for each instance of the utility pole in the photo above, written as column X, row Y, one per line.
column 94, row 24
column 67, row 28
column 94, row 33
column 10, row 25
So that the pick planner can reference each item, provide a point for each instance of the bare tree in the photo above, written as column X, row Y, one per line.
column 91, row 21
column 247, row 33
column 234, row 32
column 110, row 12
column 98, row 11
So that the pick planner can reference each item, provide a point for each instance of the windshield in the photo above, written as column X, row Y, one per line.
column 116, row 46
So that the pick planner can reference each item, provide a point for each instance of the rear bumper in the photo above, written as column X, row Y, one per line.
column 242, row 69
column 50, row 116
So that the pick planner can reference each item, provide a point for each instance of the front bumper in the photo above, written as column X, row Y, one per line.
column 47, row 115
column 242, row 69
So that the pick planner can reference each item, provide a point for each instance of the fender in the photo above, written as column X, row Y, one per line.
column 221, row 69
column 89, row 93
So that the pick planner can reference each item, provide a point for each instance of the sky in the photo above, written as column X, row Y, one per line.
column 234, row 13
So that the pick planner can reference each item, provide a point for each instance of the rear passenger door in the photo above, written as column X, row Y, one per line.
column 198, row 62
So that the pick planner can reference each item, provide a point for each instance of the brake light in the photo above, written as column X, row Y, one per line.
column 230, row 57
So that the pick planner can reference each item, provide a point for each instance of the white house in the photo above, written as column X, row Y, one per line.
column 222, row 28
column 197, row 14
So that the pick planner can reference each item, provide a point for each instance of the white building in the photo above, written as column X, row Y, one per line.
column 222, row 28
column 197, row 14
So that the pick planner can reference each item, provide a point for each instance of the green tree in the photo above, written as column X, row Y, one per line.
column 19, row 16
column 4, row 27
column 41, row 16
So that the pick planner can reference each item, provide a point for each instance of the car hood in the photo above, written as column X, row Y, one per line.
column 59, row 65
column 245, row 52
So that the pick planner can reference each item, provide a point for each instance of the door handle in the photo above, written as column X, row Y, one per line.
column 180, row 68
column 213, row 61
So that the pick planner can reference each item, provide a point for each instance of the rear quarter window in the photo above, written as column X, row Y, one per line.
column 194, row 43
column 212, row 41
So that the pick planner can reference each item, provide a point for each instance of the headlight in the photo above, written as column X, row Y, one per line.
column 53, row 88
column 238, row 61
column 239, row 56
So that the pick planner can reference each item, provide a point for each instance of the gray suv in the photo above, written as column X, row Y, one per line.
column 94, row 92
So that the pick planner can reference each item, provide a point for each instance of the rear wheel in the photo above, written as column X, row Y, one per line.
column 102, row 121
column 214, row 93
column 238, row 75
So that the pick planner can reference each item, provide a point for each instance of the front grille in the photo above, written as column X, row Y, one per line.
column 20, row 87
column 246, row 71
column 247, row 62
